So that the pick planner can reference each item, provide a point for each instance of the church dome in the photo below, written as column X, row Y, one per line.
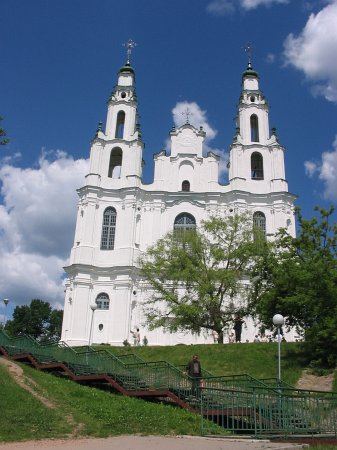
column 249, row 72
column 126, row 68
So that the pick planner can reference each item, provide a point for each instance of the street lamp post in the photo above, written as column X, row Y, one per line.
column 6, row 301
column 278, row 320
column 93, row 308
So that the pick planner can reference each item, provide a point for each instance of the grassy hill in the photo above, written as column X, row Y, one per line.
column 77, row 410
column 259, row 360
column 82, row 411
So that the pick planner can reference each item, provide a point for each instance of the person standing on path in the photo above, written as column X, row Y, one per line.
column 193, row 369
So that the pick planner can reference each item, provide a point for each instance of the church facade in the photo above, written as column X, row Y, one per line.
column 119, row 216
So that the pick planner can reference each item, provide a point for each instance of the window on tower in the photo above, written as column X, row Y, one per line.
column 259, row 225
column 115, row 165
column 102, row 302
column 108, row 229
column 120, row 125
column 185, row 186
column 254, row 128
column 257, row 166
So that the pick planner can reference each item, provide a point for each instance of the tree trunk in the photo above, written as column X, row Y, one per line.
column 221, row 336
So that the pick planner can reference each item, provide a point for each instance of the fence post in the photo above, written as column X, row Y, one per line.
column 255, row 412
column 202, row 412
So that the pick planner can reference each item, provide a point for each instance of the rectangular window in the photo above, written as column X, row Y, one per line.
column 108, row 229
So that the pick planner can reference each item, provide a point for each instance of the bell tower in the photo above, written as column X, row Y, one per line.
column 116, row 153
column 256, row 157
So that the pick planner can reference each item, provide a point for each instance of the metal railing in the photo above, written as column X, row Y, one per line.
column 269, row 411
column 239, row 403
column 274, row 382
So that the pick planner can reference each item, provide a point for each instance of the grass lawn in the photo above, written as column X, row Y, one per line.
column 324, row 447
column 256, row 359
column 93, row 412
column 25, row 417
column 316, row 446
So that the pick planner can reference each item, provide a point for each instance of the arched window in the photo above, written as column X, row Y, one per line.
column 102, row 301
column 115, row 165
column 254, row 128
column 184, row 222
column 108, row 229
column 120, row 125
column 257, row 166
column 259, row 224
column 185, row 187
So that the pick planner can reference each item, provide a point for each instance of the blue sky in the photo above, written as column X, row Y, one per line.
column 59, row 65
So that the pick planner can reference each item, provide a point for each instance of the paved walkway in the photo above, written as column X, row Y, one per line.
column 152, row 443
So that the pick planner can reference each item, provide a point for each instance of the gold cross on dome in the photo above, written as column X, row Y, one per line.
column 248, row 49
column 129, row 45
column 187, row 113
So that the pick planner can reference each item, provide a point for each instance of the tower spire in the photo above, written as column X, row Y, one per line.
column 249, row 71
column 248, row 49
column 129, row 45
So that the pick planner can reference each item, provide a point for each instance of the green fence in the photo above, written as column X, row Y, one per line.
column 239, row 403
column 266, row 411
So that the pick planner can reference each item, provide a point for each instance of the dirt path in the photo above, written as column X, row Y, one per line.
column 38, row 392
column 152, row 443
column 27, row 383
column 315, row 383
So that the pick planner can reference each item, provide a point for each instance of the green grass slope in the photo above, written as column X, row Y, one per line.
column 259, row 360
column 25, row 417
column 83, row 411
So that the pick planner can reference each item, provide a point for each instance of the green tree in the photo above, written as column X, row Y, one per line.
column 197, row 278
column 3, row 134
column 55, row 324
column 299, row 280
column 38, row 320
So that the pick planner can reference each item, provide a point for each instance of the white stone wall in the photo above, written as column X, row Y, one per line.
column 146, row 212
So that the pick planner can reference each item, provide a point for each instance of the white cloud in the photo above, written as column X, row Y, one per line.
column 326, row 171
column 310, row 168
column 223, row 7
column 252, row 4
column 307, row 6
column 314, row 51
column 270, row 58
column 37, row 219
column 220, row 7
column 9, row 159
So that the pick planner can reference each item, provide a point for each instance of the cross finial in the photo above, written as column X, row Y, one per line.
column 248, row 50
column 130, row 45
column 187, row 113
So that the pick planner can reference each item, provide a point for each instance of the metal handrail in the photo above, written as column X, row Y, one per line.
column 237, row 402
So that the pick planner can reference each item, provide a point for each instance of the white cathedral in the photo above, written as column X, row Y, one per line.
column 119, row 216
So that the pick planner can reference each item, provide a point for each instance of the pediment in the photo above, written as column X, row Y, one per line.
column 187, row 139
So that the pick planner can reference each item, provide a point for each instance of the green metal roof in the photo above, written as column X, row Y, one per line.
column 126, row 68
column 250, row 73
